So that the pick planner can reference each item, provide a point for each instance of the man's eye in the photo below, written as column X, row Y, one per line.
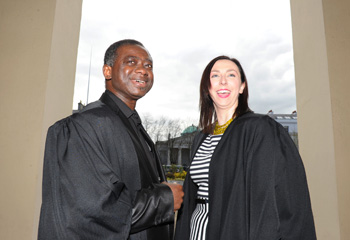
column 131, row 61
column 148, row 66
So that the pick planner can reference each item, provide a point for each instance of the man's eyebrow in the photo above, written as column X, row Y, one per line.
column 147, row 59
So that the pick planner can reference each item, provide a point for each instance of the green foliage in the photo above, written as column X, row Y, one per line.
column 174, row 172
column 173, row 168
column 180, row 175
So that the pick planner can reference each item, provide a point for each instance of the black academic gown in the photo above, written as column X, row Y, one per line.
column 257, row 185
column 97, row 183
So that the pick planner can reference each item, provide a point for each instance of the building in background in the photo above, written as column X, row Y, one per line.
column 289, row 122
column 176, row 151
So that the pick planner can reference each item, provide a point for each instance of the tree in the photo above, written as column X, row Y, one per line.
column 163, row 128
column 166, row 133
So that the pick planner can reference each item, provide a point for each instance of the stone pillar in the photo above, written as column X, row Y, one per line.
column 321, row 38
column 168, row 157
column 179, row 156
column 38, row 45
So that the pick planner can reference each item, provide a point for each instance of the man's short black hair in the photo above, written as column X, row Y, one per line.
column 111, row 52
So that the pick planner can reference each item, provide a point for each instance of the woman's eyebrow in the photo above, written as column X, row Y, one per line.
column 228, row 70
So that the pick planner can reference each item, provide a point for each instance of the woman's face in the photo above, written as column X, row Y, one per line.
column 226, row 85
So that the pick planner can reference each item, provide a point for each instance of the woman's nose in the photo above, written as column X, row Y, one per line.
column 223, row 80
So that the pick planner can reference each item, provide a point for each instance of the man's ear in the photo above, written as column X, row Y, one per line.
column 107, row 72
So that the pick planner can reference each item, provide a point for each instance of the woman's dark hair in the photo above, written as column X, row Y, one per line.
column 206, row 105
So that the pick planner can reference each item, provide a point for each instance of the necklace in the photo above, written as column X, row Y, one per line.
column 220, row 129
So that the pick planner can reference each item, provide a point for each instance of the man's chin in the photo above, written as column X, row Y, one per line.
column 143, row 91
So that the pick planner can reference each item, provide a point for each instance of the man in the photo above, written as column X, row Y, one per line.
column 102, row 176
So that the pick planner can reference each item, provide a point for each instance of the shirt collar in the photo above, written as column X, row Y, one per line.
column 124, row 108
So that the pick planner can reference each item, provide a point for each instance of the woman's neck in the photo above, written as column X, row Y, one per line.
column 224, row 115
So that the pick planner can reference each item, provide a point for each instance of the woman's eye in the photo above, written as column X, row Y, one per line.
column 232, row 75
column 214, row 75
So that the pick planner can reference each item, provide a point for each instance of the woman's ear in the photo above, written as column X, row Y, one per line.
column 242, row 88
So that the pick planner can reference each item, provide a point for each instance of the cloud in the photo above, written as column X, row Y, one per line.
column 182, row 37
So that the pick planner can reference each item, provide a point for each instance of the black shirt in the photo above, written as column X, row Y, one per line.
column 136, row 124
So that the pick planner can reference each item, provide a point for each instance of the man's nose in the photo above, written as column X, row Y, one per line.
column 141, row 69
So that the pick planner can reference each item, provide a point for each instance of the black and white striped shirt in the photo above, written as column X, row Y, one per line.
column 199, row 171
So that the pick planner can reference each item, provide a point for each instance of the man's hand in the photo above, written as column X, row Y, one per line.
column 177, row 194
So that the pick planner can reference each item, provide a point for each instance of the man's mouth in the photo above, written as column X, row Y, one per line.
column 140, row 81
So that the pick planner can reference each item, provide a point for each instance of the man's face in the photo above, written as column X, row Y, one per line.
column 131, row 75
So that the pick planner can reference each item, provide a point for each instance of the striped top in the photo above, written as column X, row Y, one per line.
column 199, row 171
column 199, row 168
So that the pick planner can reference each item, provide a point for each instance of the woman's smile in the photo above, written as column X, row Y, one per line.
column 223, row 93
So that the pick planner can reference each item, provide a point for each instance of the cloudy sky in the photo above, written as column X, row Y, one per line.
column 182, row 37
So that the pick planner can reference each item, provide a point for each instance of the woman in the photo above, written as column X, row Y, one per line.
column 246, row 179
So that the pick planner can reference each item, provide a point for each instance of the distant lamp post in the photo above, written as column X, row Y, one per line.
column 88, row 88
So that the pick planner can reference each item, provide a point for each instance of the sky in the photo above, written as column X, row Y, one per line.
column 182, row 37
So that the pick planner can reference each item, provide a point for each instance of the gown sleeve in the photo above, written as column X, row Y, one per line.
column 278, row 186
column 153, row 206
column 82, row 198
column 292, row 194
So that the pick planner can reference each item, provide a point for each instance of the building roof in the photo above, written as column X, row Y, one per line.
column 292, row 116
column 190, row 129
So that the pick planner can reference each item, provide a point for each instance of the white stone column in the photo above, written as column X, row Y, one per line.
column 179, row 157
column 168, row 157
column 38, row 45
column 321, row 39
